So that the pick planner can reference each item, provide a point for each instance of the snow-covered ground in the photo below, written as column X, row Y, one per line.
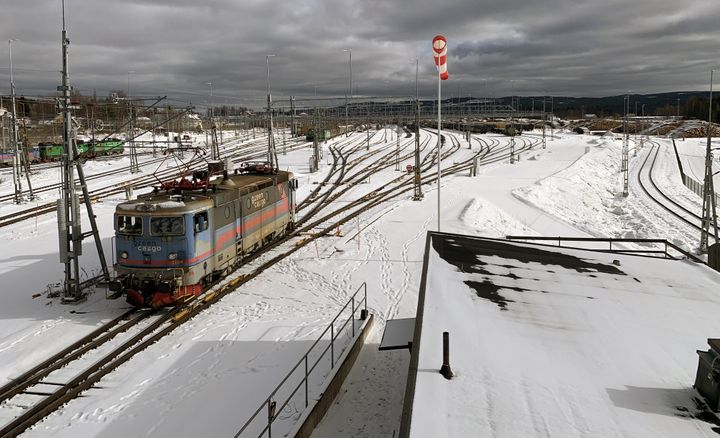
column 213, row 372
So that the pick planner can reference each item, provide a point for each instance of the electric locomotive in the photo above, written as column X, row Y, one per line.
column 171, row 243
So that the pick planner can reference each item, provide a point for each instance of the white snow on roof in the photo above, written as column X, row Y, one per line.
column 562, row 353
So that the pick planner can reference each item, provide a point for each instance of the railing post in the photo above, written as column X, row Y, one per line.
column 352, row 316
column 306, row 382
column 271, row 406
column 365, row 299
column 332, row 345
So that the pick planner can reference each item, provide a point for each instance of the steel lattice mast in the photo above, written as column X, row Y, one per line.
column 17, row 152
column 624, row 168
column 69, row 227
column 417, row 189
column 709, row 212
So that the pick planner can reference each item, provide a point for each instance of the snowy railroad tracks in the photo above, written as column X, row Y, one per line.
column 250, row 151
column 51, row 389
column 651, row 190
column 48, row 385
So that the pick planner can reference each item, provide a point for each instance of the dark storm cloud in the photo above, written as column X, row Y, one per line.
column 175, row 47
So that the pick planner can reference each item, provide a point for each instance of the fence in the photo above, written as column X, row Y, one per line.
column 688, row 181
column 305, row 367
column 663, row 245
column 696, row 186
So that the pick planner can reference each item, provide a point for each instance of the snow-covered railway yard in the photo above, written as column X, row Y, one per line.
column 212, row 372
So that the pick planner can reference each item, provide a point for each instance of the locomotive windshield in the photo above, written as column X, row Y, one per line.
column 131, row 225
column 167, row 226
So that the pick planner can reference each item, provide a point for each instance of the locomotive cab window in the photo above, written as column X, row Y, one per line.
column 200, row 221
column 130, row 225
column 167, row 226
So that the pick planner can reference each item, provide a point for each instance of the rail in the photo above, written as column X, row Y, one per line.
column 610, row 240
column 269, row 404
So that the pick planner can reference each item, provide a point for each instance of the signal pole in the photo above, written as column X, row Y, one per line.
column 68, row 207
column 709, row 212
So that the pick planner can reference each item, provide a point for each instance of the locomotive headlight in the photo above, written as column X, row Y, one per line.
column 124, row 255
column 172, row 256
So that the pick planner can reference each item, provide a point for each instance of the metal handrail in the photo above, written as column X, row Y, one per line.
column 611, row 240
column 270, row 403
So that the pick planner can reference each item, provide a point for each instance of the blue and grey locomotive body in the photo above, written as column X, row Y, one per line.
column 171, row 245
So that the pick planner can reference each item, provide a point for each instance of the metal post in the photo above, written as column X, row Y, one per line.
column 332, row 345
column 292, row 116
column 17, row 152
column 134, row 166
column 709, row 212
column 544, row 124
column 270, row 416
column 352, row 315
column 445, row 369
column 397, row 148
column 439, row 141
column 417, row 195
column 624, row 168
column 272, row 157
column 306, row 380
column 68, row 227
column 347, row 123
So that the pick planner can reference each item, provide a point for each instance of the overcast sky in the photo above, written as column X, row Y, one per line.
column 496, row 48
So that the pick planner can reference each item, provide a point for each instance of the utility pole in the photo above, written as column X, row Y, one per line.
column 397, row 146
column 544, row 125
column 552, row 118
column 68, row 207
column 292, row 116
column 214, row 146
column 316, row 151
column 417, row 190
column 134, row 166
column 272, row 155
column 367, row 125
column 347, row 122
column 624, row 168
column 17, row 151
column 709, row 212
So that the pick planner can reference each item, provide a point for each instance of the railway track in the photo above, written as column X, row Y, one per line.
column 132, row 332
column 119, row 188
column 651, row 189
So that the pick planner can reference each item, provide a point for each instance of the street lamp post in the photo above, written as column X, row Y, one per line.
column 347, row 124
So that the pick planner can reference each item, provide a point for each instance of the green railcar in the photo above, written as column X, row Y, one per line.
column 323, row 134
column 50, row 151
column 110, row 147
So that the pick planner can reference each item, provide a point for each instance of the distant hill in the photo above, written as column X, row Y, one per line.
column 691, row 104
